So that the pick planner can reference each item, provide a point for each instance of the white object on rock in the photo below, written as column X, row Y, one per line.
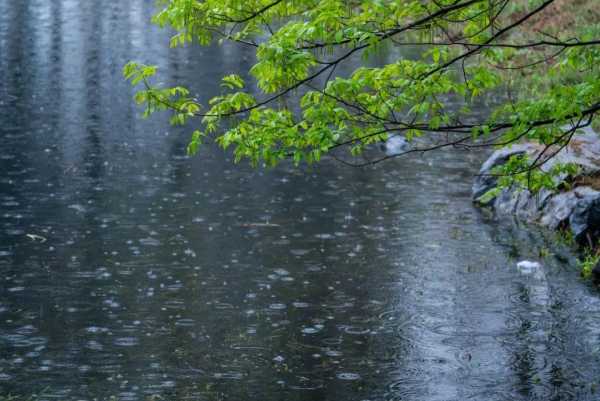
column 528, row 266
column 395, row 145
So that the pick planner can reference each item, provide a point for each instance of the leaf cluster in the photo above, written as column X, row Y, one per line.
column 468, row 51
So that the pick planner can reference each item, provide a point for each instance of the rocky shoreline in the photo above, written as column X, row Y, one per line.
column 574, row 206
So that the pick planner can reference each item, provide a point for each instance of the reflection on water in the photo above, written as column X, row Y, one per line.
column 145, row 272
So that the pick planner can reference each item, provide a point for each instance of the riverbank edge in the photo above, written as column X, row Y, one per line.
column 572, row 209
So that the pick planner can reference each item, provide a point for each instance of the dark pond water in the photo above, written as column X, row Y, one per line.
column 193, row 279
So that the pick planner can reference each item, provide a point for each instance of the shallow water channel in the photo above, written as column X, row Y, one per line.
column 148, row 273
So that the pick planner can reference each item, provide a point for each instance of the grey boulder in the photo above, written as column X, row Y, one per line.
column 576, row 206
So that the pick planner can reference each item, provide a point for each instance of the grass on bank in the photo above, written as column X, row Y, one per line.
column 588, row 261
column 587, row 256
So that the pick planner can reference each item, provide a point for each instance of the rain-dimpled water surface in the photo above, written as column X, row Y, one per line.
column 130, row 270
